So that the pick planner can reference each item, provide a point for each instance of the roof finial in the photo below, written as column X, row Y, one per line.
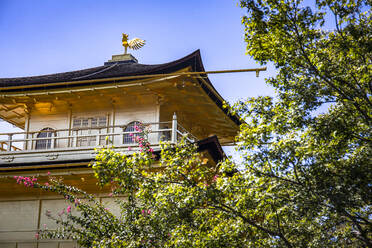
column 134, row 44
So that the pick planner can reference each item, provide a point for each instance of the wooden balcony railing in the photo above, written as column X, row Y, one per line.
column 91, row 137
column 7, row 146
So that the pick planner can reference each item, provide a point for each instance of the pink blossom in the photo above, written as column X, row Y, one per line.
column 143, row 211
column 129, row 148
column 69, row 209
column 138, row 128
column 148, row 211
column 106, row 209
column 27, row 181
column 48, row 173
column 37, row 235
column 62, row 212
column 110, row 194
column 46, row 184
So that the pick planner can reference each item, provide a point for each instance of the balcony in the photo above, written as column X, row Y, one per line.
column 73, row 144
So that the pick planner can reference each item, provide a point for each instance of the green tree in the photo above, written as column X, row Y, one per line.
column 306, row 176
column 317, row 167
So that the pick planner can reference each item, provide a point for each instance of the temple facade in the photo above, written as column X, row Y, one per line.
column 64, row 116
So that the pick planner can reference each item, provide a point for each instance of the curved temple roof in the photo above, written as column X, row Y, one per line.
column 106, row 73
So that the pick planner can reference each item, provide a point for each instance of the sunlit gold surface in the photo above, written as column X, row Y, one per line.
column 183, row 94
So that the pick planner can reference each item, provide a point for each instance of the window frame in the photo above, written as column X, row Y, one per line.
column 127, row 137
column 89, row 129
column 45, row 143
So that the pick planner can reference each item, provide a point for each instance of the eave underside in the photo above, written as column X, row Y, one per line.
column 180, row 94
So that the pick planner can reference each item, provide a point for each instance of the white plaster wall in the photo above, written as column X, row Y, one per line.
column 55, row 121
column 122, row 116
column 55, row 207
column 143, row 114
column 112, row 205
column 20, row 220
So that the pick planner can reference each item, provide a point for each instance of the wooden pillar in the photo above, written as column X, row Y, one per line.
column 157, row 126
column 174, row 129
column 69, row 119
column 108, row 126
column 27, row 130
column 10, row 143
column 38, row 219
column 113, row 121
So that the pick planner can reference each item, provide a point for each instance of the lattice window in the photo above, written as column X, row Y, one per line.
column 89, row 127
column 128, row 138
column 45, row 143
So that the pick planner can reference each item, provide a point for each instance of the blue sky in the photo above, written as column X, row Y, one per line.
column 48, row 36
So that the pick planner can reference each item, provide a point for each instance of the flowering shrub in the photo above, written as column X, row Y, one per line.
column 178, row 201
column 144, row 219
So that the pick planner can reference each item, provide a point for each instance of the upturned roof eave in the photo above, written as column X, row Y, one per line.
column 54, row 81
column 107, row 73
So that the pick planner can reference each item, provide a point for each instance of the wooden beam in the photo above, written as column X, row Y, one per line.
column 10, row 108
column 132, row 77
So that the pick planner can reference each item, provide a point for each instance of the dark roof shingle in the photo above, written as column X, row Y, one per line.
column 105, row 71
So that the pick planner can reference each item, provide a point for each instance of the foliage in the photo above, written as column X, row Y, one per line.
column 315, row 167
column 305, row 178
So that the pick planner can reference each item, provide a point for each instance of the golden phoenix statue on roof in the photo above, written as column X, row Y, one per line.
column 134, row 44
